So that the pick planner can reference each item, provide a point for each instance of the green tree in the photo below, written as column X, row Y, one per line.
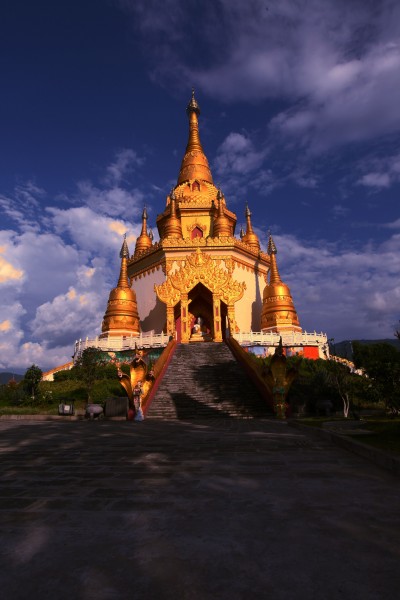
column 381, row 363
column 32, row 378
column 88, row 368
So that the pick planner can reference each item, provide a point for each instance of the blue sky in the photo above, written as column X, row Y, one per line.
column 299, row 118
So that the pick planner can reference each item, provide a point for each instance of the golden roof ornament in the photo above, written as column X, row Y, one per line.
column 278, row 311
column 172, row 227
column 193, row 105
column 121, row 316
column 222, row 226
column 144, row 241
column 194, row 164
column 250, row 238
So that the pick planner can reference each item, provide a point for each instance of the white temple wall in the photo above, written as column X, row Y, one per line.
column 248, row 309
column 152, row 312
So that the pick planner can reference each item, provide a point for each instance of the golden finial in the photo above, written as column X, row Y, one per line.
column 124, row 252
column 193, row 105
column 271, row 245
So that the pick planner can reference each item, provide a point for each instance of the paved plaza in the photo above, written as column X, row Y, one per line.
column 223, row 509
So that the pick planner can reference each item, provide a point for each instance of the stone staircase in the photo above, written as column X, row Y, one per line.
column 203, row 381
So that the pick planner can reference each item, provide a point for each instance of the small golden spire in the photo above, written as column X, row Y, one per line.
column 222, row 226
column 121, row 316
column 250, row 238
column 274, row 276
column 278, row 311
column 143, row 242
column 194, row 164
column 172, row 227
column 123, row 281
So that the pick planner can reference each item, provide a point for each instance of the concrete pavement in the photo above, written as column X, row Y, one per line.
column 225, row 509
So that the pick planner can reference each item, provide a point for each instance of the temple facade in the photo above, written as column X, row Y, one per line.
column 200, row 281
column 199, row 269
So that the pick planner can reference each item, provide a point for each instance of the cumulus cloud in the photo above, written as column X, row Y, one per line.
column 9, row 274
column 57, row 265
column 89, row 230
column 380, row 172
column 68, row 317
column 23, row 206
column 124, row 164
column 236, row 154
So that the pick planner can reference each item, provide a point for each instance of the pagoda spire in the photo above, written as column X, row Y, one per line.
column 274, row 276
column 278, row 311
column 123, row 281
column 121, row 316
column 222, row 227
column 194, row 164
column 144, row 241
column 250, row 238
column 172, row 226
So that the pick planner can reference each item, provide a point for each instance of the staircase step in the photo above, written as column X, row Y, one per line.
column 204, row 380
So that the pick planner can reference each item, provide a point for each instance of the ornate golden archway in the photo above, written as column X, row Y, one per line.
column 215, row 275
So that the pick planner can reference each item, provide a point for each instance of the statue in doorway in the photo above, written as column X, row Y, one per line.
column 197, row 326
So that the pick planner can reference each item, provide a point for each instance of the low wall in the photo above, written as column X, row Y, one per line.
column 251, row 369
column 159, row 369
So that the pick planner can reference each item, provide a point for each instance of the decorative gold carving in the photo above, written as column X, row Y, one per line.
column 167, row 293
column 189, row 228
column 200, row 267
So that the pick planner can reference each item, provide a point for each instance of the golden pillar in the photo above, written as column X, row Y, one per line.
column 170, row 320
column 185, row 330
column 231, row 319
column 217, row 318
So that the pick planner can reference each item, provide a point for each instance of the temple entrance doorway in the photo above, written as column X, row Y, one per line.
column 201, row 321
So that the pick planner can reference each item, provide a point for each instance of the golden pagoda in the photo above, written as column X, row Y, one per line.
column 199, row 282
column 250, row 237
column 198, row 272
column 144, row 241
column 121, row 317
column 278, row 314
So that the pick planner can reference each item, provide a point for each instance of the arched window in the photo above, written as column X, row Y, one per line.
column 196, row 187
column 197, row 233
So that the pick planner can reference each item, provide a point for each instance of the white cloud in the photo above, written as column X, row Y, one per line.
column 23, row 206
column 114, row 201
column 69, row 316
column 237, row 155
column 125, row 163
column 55, row 275
column 381, row 173
column 91, row 231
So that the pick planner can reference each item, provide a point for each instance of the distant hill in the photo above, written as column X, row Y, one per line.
column 345, row 350
column 6, row 376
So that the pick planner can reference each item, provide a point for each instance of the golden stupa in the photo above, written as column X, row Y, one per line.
column 278, row 313
column 121, row 317
column 144, row 241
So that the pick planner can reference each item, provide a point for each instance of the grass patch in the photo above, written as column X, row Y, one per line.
column 385, row 436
